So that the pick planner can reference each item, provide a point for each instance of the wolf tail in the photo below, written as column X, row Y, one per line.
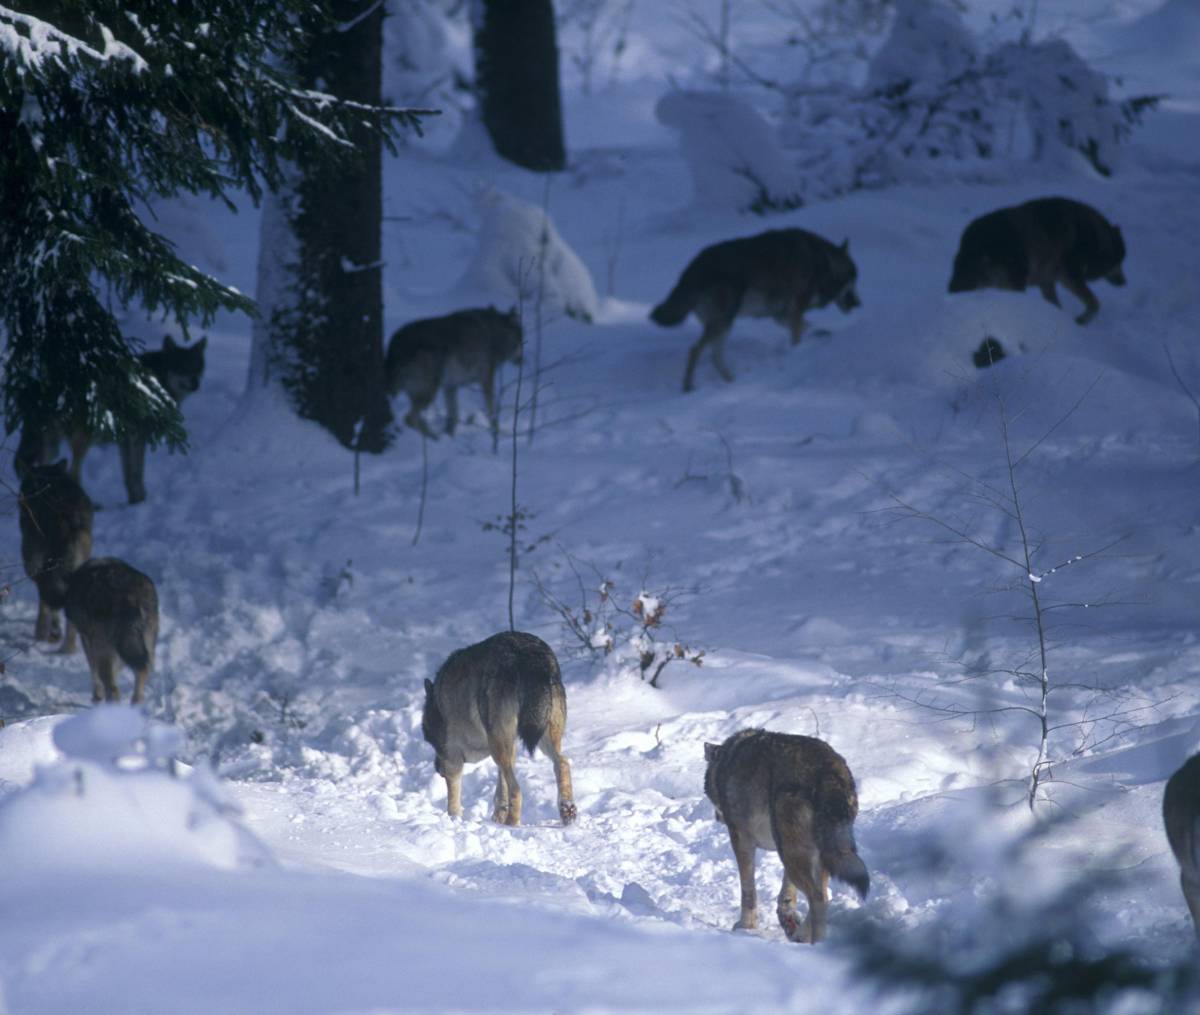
column 537, row 705
column 678, row 303
column 136, row 643
column 839, row 855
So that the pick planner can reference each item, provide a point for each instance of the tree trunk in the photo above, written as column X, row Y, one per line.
column 516, row 80
column 320, row 273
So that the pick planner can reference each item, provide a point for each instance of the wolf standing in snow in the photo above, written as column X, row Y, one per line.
column 1181, row 814
column 465, row 347
column 115, row 609
column 178, row 368
column 780, row 273
column 484, row 698
column 1041, row 242
column 56, row 538
column 794, row 795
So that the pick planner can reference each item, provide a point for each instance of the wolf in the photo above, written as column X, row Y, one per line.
column 1181, row 811
column 56, row 538
column 178, row 368
column 780, row 273
column 794, row 795
column 1041, row 242
column 483, row 699
column 115, row 609
column 465, row 347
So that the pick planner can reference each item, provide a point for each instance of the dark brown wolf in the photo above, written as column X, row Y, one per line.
column 1041, row 242
column 178, row 368
column 115, row 609
column 465, row 347
column 780, row 274
column 794, row 795
column 56, row 538
column 1181, row 812
column 485, row 698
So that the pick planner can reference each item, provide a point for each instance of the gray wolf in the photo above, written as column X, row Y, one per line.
column 794, row 795
column 178, row 368
column 780, row 273
column 465, row 347
column 483, row 699
column 115, row 609
column 1181, row 809
column 56, row 538
column 1041, row 242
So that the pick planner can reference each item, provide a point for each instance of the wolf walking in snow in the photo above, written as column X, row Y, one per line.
column 483, row 699
column 465, row 347
column 178, row 368
column 1181, row 813
column 794, row 795
column 780, row 273
column 56, row 538
column 1041, row 242
column 115, row 609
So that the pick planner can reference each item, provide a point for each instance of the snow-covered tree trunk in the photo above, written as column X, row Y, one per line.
column 320, row 333
column 516, row 79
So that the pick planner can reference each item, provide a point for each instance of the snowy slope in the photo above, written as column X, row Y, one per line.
column 299, row 621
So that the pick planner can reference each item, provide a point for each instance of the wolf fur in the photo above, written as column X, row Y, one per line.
column 1181, row 812
column 465, row 347
column 178, row 368
column 487, row 696
column 56, row 538
column 794, row 795
column 115, row 609
column 780, row 274
column 1040, row 243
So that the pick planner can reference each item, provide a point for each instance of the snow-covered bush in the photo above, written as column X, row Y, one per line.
column 118, row 800
column 629, row 638
column 731, row 151
column 427, row 62
column 934, row 103
column 513, row 236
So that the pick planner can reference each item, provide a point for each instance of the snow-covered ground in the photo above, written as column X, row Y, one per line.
column 299, row 620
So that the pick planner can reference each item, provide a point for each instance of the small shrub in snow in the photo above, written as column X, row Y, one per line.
column 513, row 237
column 118, row 800
column 734, row 158
column 632, row 638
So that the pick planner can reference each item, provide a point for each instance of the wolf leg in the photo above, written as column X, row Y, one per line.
column 796, row 322
column 489, row 401
column 68, row 646
column 712, row 333
column 133, row 468
column 1049, row 293
column 104, row 675
column 743, row 852
column 785, row 909
column 140, row 676
column 504, row 753
column 418, row 403
column 718, row 358
column 1191, row 892
column 1077, row 287
column 792, row 827
column 454, row 794
column 46, row 628
column 551, row 744
column 450, row 394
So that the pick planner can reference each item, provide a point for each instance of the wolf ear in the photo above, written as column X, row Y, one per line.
column 201, row 344
column 60, row 466
column 514, row 313
column 168, row 342
column 428, row 687
column 845, row 247
column 710, row 750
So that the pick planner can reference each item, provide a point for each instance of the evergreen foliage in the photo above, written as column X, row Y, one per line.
column 106, row 106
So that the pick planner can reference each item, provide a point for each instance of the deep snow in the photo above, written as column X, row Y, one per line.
column 298, row 620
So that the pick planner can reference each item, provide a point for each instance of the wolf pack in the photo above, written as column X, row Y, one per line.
column 788, row 794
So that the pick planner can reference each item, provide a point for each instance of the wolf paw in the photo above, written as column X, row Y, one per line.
column 567, row 812
column 793, row 927
column 744, row 924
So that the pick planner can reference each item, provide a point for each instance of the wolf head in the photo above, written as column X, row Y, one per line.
column 179, row 367
column 36, row 478
column 711, row 753
column 433, row 727
column 840, row 280
column 508, row 341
